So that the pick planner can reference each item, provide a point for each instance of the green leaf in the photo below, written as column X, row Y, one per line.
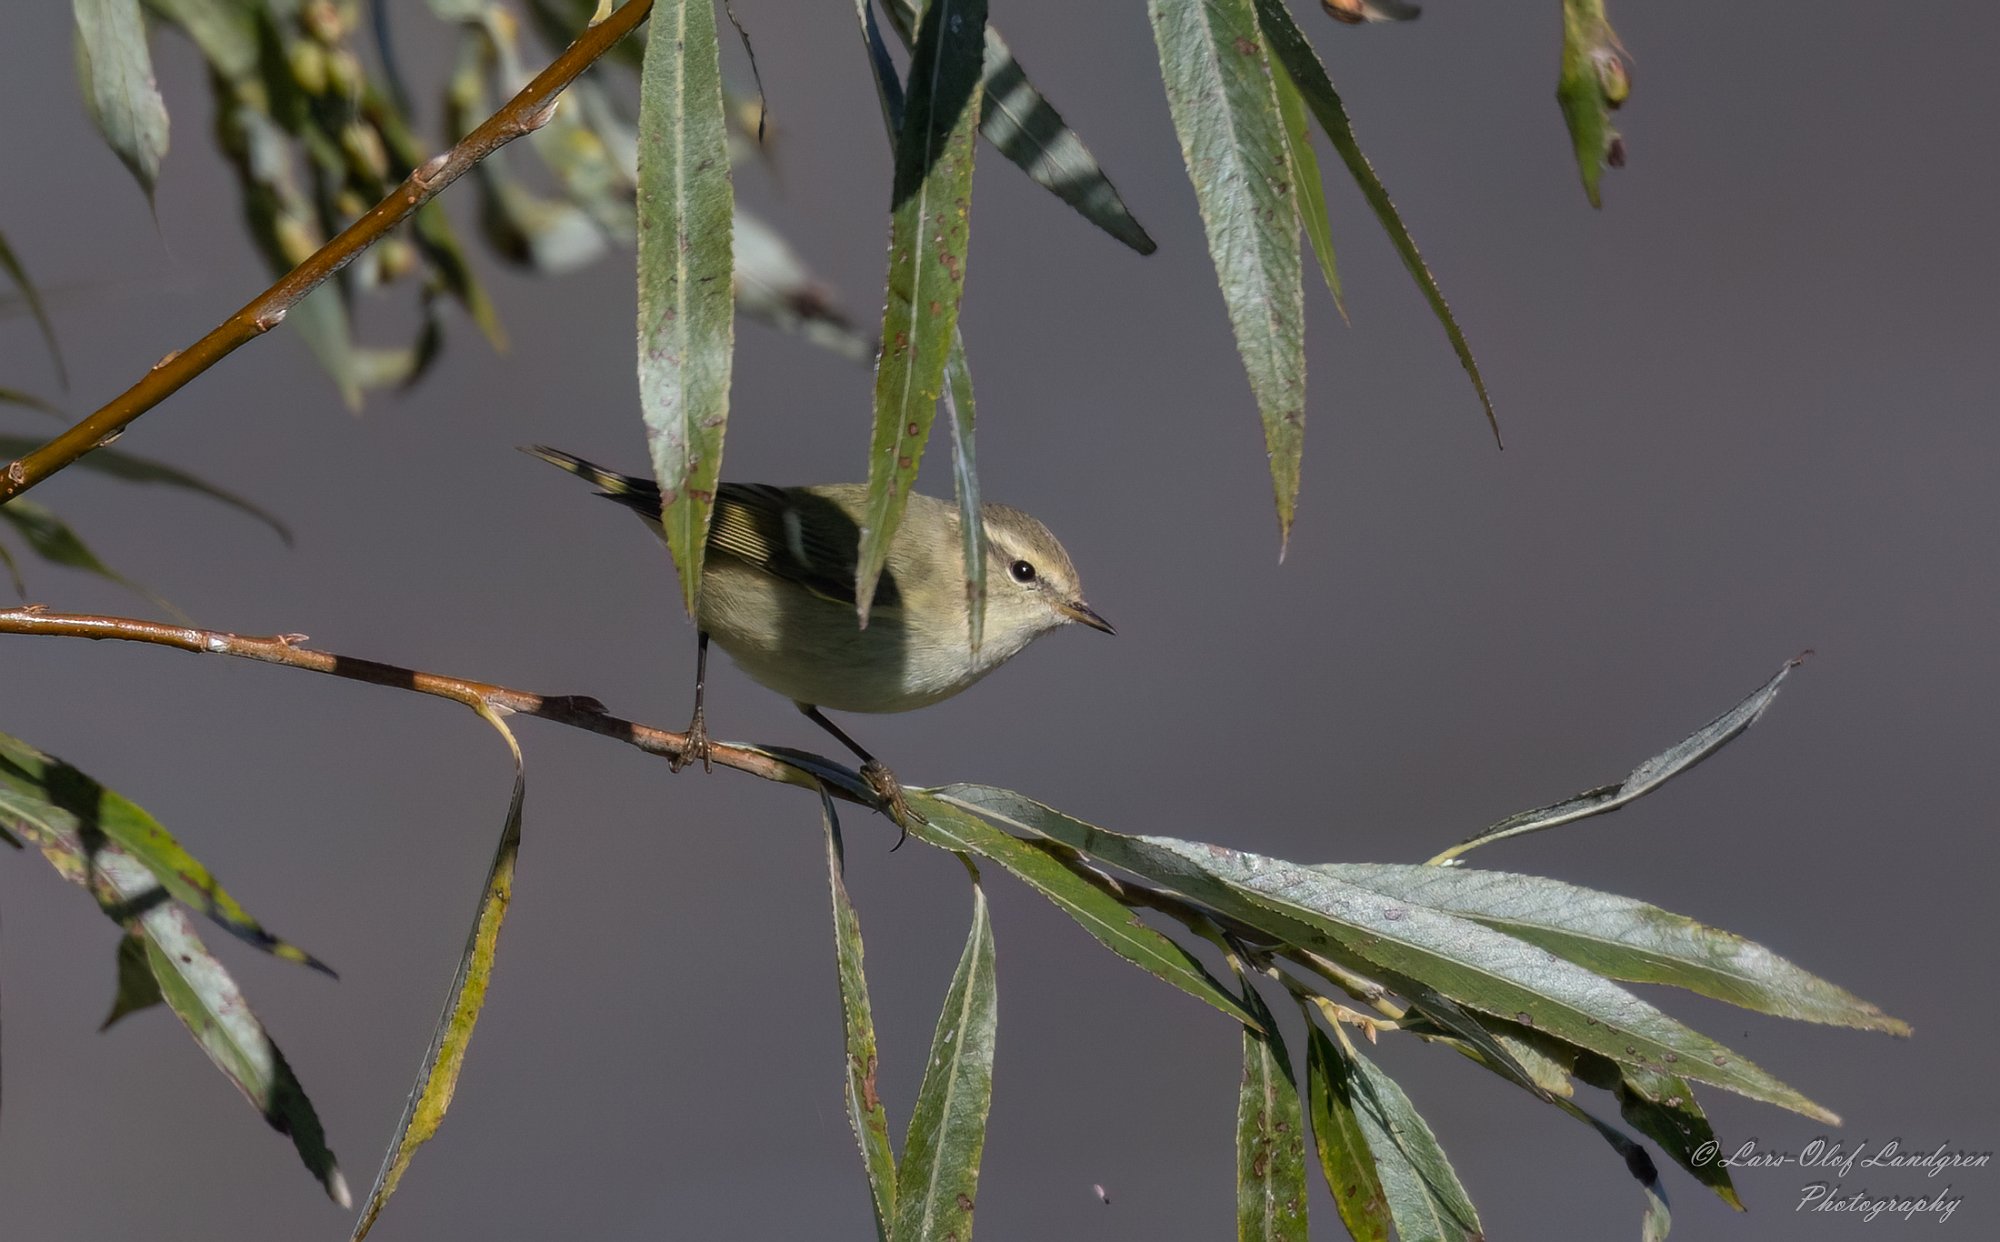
column 1027, row 129
column 1270, row 1135
column 1344, row 1156
column 1293, row 51
column 224, row 30
column 1663, row 1108
column 686, row 313
column 865, row 1110
column 9, row 396
column 137, row 989
column 56, row 806
column 135, row 469
column 13, row 569
column 959, row 407
column 321, row 320
column 1423, row 1194
column 929, row 229
column 1643, row 780
column 209, row 1004
column 437, row 1077
column 1622, row 938
column 1114, row 925
column 116, row 71
column 775, row 287
column 11, row 265
column 1482, row 969
column 1225, row 110
column 1311, row 190
column 938, row 1181
column 118, row 854
column 1593, row 81
column 50, row 538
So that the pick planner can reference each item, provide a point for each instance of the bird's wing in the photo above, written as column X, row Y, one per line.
column 795, row 534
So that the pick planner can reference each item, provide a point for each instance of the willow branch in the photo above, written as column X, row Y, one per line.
column 525, row 113
column 576, row 711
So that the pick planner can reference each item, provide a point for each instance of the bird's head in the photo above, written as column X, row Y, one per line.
column 1030, row 581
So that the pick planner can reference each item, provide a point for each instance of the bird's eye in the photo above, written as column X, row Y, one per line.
column 1022, row 571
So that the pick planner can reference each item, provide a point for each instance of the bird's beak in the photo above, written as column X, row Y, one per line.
column 1077, row 610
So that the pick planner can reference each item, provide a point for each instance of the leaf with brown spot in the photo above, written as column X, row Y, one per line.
column 686, row 265
column 939, row 1174
column 1270, row 1160
column 1226, row 111
column 932, row 193
column 865, row 1113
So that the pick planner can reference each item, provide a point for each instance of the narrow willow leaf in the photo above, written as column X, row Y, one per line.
column 137, row 989
column 209, row 1004
column 888, row 87
column 1643, row 780
column 1114, row 925
column 686, row 313
column 1270, row 1135
column 51, row 538
column 1028, row 130
column 1658, row 1220
column 11, row 264
column 930, row 224
column 1292, row 50
column 1482, row 969
column 1225, row 110
column 49, row 801
column 938, row 1181
column 1622, row 938
column 322, row 322
column 865, row 1110
column 20, row 586
column 116, row 71
column 84, row 831
column 1593, row 81
column 959, row 407
column 775, row 287
column 1344, row 1157
column 1663, row 1108
column 1419, row 1186
column 1311, row 189
column 9, row 396
column 134, row 469
column 437, row 1077
column 226, row 31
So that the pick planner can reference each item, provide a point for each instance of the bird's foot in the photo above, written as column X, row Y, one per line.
column 882, row 782
column 696, row 747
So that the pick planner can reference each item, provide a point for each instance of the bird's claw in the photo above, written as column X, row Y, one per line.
column 696, row 747
column 883, row 783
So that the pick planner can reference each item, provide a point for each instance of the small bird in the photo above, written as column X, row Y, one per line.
column 778, row 594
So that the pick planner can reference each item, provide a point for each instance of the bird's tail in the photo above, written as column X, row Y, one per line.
column 641, row 495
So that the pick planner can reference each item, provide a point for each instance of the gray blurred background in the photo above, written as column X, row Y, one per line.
column 1749, row 409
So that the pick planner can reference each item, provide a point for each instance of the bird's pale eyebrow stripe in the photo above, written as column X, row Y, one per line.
column 795, row 536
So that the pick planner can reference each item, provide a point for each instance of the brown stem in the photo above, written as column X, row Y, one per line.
column 576, row 711
column 523, row 114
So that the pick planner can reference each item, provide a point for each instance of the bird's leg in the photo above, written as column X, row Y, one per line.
column 697, row 730
column 880, row 779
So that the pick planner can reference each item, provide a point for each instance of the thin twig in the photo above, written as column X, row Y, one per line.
column 576, row 711
column 525, row 113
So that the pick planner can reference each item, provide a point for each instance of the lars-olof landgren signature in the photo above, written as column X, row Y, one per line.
column 1830, row 1156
